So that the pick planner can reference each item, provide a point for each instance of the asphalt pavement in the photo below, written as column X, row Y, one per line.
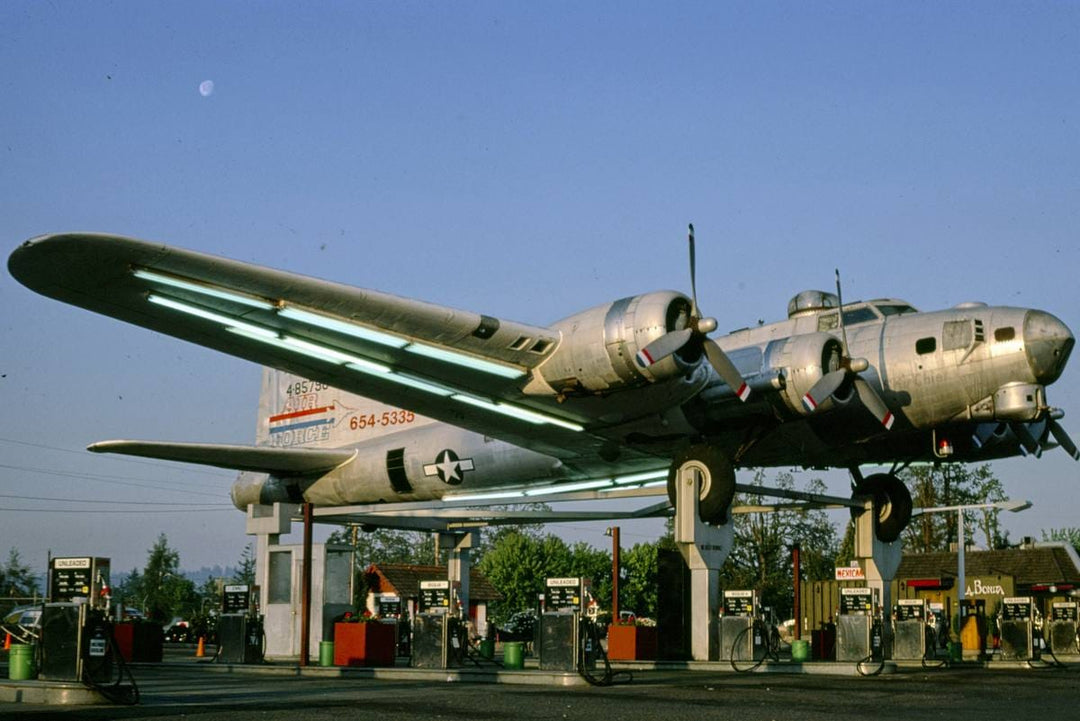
column 194, row 691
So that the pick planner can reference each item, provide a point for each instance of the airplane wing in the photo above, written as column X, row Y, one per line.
column 459, row 367
column 277, row 461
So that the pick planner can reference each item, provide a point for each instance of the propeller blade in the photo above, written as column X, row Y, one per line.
column 662, row 347
column 726, row 369
column 986, row 431
column 1063, row 439
column 1027, row 441
column 824, row 388
column 840, row 313
column 693, row 274
column 873, row 403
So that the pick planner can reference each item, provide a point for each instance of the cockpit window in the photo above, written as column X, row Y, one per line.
column 897, row 309
column 1004, row 334
column 851, row 317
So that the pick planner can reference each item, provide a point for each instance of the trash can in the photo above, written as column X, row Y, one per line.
column 21, row 662
column 956, row 652
column 513, row 654
column 326, row 653
column 800, row 650
column 487, row 648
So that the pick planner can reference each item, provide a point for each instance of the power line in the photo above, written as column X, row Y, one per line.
column 217, row 509
column 84, row 454
column 91, row 500
column 100, row 479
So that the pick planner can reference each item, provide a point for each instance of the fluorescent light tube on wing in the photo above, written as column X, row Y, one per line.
column 340, row 326
column 465, row 361
column 207, row 290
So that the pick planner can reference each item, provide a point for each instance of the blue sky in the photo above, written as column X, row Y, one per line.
column 525, row 160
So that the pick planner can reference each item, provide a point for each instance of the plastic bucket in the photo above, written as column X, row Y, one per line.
column 800, row 650
column 487, row 647
column 21, row 662
column 326, row 653
column 513, row 654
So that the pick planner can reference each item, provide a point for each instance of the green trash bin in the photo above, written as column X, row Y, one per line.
column 487, row 648
column 956, row 651
column 800, row 650
column 513, row 654
column 326, row 653
column 21, row 662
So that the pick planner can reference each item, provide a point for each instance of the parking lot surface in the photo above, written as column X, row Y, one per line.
column 198, row 692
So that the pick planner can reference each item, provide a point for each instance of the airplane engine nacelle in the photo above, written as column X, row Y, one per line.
column 803, row 360
column 596, row 353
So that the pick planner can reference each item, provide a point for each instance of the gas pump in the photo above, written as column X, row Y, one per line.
column 76, row 632
column 388, row 608
column 858, row 633
column 240, row 626
column 1062, row 631
column 909, row 641
column 439, row 637
column 566, row 640
column 741, row 639
column 1017, row 627
column 973, row 627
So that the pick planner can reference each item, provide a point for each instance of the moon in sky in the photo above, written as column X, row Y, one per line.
column 206, row 87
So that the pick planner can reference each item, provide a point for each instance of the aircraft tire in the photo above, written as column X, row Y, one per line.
column 892, row 504
column 718, row 485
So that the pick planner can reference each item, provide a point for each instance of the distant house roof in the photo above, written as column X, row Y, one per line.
column 1046, row 563
column 404, row 580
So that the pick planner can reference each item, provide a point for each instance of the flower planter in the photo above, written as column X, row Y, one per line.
column 364, row 644
column 139, row 641
column 631, row 643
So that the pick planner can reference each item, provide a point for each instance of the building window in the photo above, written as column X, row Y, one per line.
column 280, row 577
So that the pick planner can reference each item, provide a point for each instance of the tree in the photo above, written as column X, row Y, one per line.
column 1069, row 535
column 381, row 546
column 953, row 485
column 518, row 562
column 130, row 592
column 638, row 579
column 761, row 557
column 245, row 569
column 17, row 580
column 166, row 592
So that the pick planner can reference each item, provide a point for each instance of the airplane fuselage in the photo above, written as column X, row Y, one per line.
column 944, row 374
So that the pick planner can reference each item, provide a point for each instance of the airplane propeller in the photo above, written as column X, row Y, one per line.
column 1063, row 438
column 1028, row 442
column 849, row 369
column 699, row 328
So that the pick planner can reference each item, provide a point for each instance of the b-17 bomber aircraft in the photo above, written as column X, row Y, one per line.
column 371, row 398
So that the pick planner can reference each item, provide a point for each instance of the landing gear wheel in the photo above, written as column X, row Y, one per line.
column 892, row 504
column 717, row 481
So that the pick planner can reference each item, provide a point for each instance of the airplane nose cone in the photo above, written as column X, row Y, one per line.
column 1048, row 343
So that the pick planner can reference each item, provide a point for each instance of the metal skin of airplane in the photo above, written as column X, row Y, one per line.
column 378, row 399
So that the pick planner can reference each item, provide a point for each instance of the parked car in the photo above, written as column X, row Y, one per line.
column 519, row 627
column 23, row 623
column 179, row 631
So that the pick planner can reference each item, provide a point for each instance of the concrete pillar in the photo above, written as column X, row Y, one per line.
column 267, row 524
column 458, row 565
column 879, row 561
column 704, row 548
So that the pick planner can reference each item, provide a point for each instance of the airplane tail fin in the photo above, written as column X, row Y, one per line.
column 295, row 412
